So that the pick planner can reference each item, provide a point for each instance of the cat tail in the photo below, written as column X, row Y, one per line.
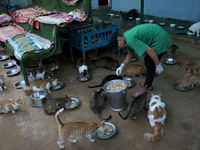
column 57, row 116
column 158, row 133
column 126, row 117
column 95, row 86
column 102, row 119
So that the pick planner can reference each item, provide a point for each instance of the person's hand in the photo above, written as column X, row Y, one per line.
column 159, row 69
column 119, row 69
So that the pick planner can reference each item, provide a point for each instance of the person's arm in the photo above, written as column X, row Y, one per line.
column 150, row 51
column 128, row 58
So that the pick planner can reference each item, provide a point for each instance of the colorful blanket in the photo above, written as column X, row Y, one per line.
column 60, row 19
column 30, row 14
column 4, row 18
column 28, row 43
column 10, row 31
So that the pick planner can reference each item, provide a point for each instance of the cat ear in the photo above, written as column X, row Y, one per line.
column 159, row 95
column 103, row 122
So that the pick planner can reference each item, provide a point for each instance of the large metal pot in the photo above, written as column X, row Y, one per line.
column 117, row 99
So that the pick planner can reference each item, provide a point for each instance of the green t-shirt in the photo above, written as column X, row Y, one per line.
column 141, row 37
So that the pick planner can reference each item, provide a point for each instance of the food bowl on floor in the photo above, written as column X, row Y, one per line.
column 81, row 78
column 72, row 103
column 3, row 57
column 38, row 98
column 130, row 18
column 179, row 27
column 8, row 65
column 18, row 85
column 137, row 19
column 146, row 21
column 184, row 88
column 170, row 61
column 135, row 58
column 58, row 86
column 109, row 132
column 161, row 24
column 130, row 82
column 12, row 72
column 172, row 25
column 150, row 21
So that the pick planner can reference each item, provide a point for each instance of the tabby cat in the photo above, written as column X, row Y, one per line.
column 2, row 83
column 136, row 106
column 134, row 70
column 41, row 84
column 190, row 80
column 172, row 50
column 157, row 115
column 10, row 105
column 73, row 129
column 97, row 104
column 51, row 106
column 189, row 64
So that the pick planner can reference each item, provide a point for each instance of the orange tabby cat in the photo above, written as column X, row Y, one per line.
column 133, row 70
column 157, row 115
column 10, row 105
column 189, row 80
column 41, row 84
column 72, row 129
column 189, row 64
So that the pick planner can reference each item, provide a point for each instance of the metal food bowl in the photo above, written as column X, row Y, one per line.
column 117, row 99
column 130, row 82
column 3, row 57
column 58, row 86
column 12, row 72
column 130, row 18
column 135, row 58
column 180, row 27
column 170, row 61
column 162, row 24
column 8, row 65
column 73, row 103
column 38, row 98
column 185, row 88
column 18, row 85
column 81, row 78
column 101, row 135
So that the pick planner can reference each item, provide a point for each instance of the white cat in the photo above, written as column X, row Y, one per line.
column 195, row 28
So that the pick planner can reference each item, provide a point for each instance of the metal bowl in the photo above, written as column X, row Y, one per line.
column 18, row 85
column 3, row 57
column 116, row 16
column 12, row 72
column 170, row 61
column 185, row 88
column 100, row 135
column 59, row 86
column 130, row 82
column 135, row 58
column 38, row 98
column 8, row 65
column 180, row 27
column 81, row 78
column 74, row 102
column 161, row 24
column 146, row 21
column 130, row 18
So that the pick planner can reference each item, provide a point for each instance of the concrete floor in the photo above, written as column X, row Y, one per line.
column 30, row 129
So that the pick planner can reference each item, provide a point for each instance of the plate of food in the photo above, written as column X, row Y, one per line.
column 72, row 103
column 183, row 88
column 161, row 24
column 81, row 78
column 130, row 82
column 170, row 61
column 18, row 85
column 4, row 57
column 8, row 65
column 59, row 86
column 180, row 27
column 109, row 131
column 12, row 72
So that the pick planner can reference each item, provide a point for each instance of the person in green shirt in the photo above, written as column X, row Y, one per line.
column 149, row 39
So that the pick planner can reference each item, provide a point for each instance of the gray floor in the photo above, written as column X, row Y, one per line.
column 29, row 128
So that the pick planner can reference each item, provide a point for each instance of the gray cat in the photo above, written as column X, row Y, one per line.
column 137, row 105
column 106, row 62
column 2, row 83
column 172, row 50
column 97, row 104
column 51, row 106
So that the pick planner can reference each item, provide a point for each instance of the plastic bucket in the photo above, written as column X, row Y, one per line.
column 117, row 99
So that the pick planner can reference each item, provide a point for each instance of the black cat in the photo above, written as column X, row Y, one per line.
column 97, row 104
column 106, row 79
column 136, row 106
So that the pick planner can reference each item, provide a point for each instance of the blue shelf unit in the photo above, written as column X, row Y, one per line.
column 88, row 37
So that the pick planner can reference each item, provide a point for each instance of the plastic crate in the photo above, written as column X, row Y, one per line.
column 88, row 37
